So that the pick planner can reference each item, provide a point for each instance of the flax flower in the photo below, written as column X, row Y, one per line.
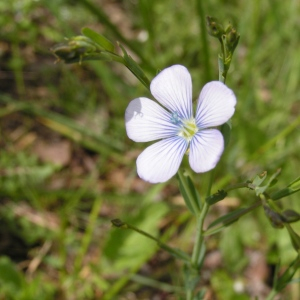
column 176, row 128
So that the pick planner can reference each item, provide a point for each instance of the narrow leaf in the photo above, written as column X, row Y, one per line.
column 189, row 193
column 292, row 188
column 233, row 216
column 287, row 276
column 135, row 68
column 98, row 39
column 226, row 131
column 228, row 218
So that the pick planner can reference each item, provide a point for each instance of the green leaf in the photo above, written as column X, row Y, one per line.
column 287, row 276
column 230, row 218
column 178, row 253
column 295, row 238
column 292, row 188
column 191, row 277
column 226, row 131
column 9, row 275
column 216, row 197
column 259, row 179
column 98, row 39
column 189, row 193
column 135, row 68
column 290, row 216
column 200, row 295
column 273, row 216
column 126, row 249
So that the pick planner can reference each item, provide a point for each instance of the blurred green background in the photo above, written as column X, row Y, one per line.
column 67, row 167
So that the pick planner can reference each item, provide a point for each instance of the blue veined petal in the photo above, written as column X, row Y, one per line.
column 145, row 121
column 172, row 87
column 160, row 161
column 215, row 105
column 206, row 148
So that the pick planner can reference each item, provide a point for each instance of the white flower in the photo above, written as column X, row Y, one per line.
column 176, row 128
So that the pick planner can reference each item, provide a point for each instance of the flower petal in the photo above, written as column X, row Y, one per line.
column 215, row 105
column 160, row 161
column 206, row 148
column 172, row 87
column 146, row 121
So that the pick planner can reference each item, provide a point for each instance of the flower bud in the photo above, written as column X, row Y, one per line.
column 74, row 49
column 214, row 198
column 232, row 38
column 290, row 216
column 214, row 28
column 274, row 217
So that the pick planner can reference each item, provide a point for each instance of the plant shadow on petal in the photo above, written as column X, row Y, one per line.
column 134, row 111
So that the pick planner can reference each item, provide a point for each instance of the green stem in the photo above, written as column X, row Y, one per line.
column 272, row 294
column 92, row 222
column 175, row 252
column 17, row 66
column 189, row 295
column 238, row 186
column 197, row 257
column 104, row 19
column 206, row 53
column 200, row 235
column 269, row 144
column 214, row 230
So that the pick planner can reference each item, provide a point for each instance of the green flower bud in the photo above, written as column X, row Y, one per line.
column 274, row 217
column 232, row 38
column 74, row 49
column 214, row 28
column 290, row 216
column 118, row 223
column 214, row 198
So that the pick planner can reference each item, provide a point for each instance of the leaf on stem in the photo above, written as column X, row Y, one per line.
column 259, row 179
column 189, row 193
column 98, row 39
column 226, row 131
column 135, row 68
column 287, row 276
column 292, row 188
column 229, row 219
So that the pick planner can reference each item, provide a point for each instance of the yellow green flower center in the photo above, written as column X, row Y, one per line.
column 187, row 128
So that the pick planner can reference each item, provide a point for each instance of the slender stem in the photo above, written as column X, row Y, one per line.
column 200, row 221
column 206, row 53
column 92, row 223
column 17, row 69
column 272, row 294
column 238, row 186
column 269, row 144
column 199, row 233
column 214, row 229
column 104, row 19
column 189, row 295
column 175, row 252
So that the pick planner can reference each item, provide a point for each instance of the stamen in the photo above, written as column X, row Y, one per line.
column 186, row 128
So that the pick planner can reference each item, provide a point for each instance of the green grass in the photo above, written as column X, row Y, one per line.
column 56, row 241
